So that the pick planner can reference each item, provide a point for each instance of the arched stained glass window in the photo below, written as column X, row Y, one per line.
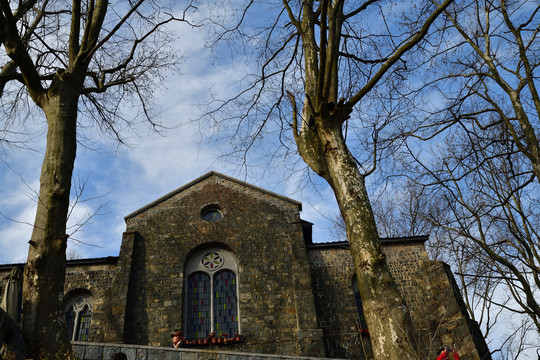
column 78, row 312
column 211, row 295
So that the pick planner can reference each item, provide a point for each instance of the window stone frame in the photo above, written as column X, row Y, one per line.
column 195, row 265
column 78, row 301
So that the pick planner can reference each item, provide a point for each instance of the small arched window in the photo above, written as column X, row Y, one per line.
column 78, row 311
column 362, row 325
column 211, row 294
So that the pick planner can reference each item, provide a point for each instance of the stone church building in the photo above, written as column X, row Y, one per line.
column 234, row 266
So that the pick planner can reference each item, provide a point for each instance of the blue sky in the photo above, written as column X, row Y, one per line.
column 121, row 180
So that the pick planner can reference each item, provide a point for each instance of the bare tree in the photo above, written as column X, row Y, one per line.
column 497, row 77
column 472, row 149
column 488, row 189
column 487, row 171
column 65, row 58
column 331, row 58
column 402, row 211
column 479, row 224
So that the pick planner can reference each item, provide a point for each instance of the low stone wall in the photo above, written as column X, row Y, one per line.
column 99, row 351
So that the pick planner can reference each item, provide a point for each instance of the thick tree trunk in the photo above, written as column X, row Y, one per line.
column 43, row 315
column 387, row 315
column 323, row 148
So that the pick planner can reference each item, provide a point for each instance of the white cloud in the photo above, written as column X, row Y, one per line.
column 18, row 208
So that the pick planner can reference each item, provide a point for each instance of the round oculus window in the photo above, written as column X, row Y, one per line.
column 212, row 261
column 212, row 215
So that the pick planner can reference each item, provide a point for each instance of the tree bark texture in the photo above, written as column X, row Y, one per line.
column 43, row 293
column 323, row 147
column 43, row 320
column 319, row 138
column 56, row 53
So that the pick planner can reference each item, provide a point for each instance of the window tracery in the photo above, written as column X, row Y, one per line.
column 78, row 312
column 211, row 295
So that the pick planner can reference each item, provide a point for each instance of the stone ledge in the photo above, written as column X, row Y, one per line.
column 102, row 351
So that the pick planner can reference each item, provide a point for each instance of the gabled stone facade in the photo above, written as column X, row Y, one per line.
column 290, row 296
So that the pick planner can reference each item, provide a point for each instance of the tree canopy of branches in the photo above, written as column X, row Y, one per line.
column 333, row 60
column 483, row 111
column 65, row 57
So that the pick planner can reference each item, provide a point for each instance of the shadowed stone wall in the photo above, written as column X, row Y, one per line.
column 95, row 279
column 11, row 339
column 264, row 233
column 428, row 287
column 89, row 276
column 332, row 274
column 295, row 297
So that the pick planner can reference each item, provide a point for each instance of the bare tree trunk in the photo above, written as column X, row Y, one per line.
column 389, row 322
column 44, row 326
column 319, row 138
column 323, row 147
column 53, row 48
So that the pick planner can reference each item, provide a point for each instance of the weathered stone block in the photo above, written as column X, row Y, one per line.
column 93, row 353
column 131, row 352
column 110, row 351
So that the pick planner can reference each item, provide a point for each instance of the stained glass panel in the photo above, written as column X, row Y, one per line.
column 198, row 306
column 225, row 303
column 83, row 326
column 70, row 321
column 212, row 261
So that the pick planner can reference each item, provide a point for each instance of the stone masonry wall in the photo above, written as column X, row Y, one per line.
column 95, row 280
column 264, row 232
column 90, row 276
column 419, row 280
column 117, row 297
column 332, row 274
column 449, row 319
